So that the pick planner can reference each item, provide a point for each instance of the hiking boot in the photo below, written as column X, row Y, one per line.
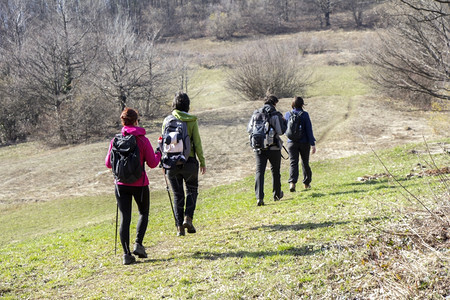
column 180, row 231
column 139, row 250
column 307, row 186
column 292, row 187
column 260, row 202
column 276, row 198
column 188, row 224
column 128, row 259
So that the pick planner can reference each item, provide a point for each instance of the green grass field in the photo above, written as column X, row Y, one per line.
column 312, row 244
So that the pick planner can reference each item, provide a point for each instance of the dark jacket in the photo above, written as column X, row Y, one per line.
column 305, row 121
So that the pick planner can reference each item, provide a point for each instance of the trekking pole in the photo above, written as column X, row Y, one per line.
column 283, row 147
column 286, row 152
column 168, row 193
column 115, row 241
column 117, row 217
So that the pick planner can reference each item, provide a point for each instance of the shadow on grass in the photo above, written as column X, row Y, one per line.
column 292, row 251
column 380, row 185
column 297, row 227
column 317, row 195
column 348, row 192
column 153, row 260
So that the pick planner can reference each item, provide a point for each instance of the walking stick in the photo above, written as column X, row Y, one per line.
column 168, row 193
column 117, row 217
column 115, row 241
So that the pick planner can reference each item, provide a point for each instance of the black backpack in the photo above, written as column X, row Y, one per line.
column 261, row 133
column 294, row 130
column 176, row 143
column 125, row 159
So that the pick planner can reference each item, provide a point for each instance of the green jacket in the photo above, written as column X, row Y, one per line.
column 194, row 134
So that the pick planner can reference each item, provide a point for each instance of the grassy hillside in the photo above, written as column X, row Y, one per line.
column 318, row 243
column 344, row 238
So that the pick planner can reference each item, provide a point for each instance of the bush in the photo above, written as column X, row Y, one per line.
column 223, row 25
column 263, row 66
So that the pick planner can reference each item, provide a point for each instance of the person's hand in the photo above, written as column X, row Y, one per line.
column 313, row 149
column 202, row 170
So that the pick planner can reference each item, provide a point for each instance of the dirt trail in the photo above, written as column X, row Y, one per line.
column 338, row 119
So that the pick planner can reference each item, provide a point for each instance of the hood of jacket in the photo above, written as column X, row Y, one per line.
column 133, row 130
column 269, row 108
column 183, row 116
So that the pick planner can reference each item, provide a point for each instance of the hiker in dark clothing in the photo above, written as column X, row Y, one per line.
column 301, row 147
column 271, row 154
column 139, row 189
column 186, row 173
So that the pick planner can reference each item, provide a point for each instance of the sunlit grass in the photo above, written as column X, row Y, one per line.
column 343, row 81
column 207, row 89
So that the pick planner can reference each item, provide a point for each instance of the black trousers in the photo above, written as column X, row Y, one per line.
column 124, row 195
column 274, row 157
column 179, row 176
column 295, row 150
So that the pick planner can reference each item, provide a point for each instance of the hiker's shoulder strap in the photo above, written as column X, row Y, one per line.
column 169, row 118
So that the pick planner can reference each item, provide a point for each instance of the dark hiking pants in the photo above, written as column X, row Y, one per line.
column 124, row 195
column 187, row 174
column 274, row 157
column 295, row 150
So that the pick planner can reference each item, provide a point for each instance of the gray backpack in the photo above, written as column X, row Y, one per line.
column 261, row 133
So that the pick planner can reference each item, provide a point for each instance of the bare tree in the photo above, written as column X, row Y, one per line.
column 132, row 71
column 412, row 59
column 123, row 57
column 263, row 67
column 358, row 9
column 53, row 57
column 14, row 16
column 159, row 81
column 326, row 8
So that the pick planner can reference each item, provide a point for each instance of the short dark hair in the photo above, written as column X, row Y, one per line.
column 298, row 103
column 129, row 116
column 181, row 102
column 271, row 100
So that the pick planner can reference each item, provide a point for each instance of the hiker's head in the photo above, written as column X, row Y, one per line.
column 298, row 103
column 271, row 100
column 181, row 102
column 129, row 116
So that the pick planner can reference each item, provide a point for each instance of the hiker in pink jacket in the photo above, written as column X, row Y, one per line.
column 138, row 189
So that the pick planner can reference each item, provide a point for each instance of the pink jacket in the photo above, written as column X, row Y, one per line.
column 146, row 153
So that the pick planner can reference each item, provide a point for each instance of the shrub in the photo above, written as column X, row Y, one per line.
column 262, row 66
